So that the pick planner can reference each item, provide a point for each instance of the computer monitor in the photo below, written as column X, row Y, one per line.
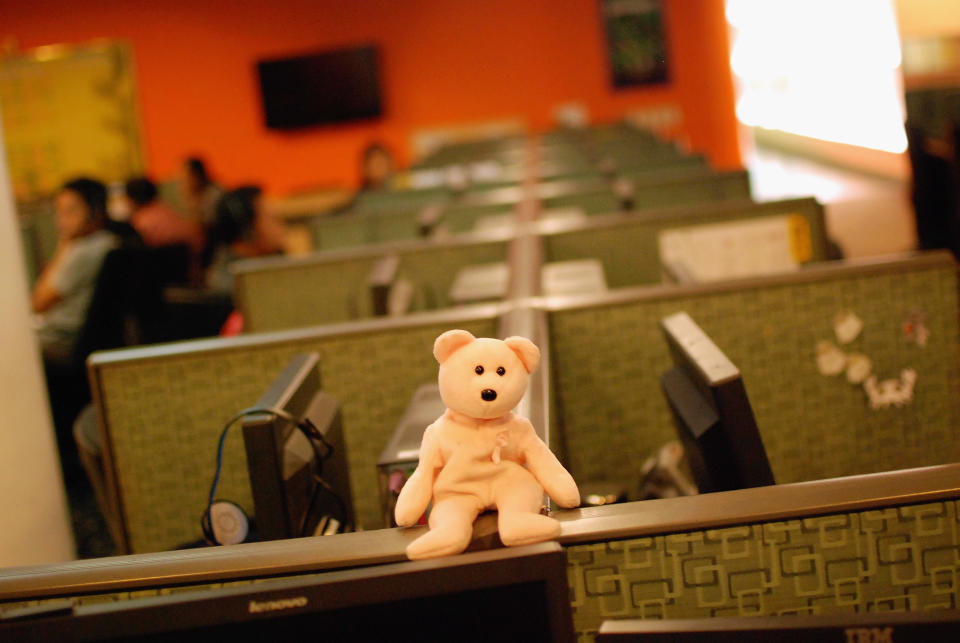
column 713, row 415
column 300, row 487
column 507, row 594
column 399, row 458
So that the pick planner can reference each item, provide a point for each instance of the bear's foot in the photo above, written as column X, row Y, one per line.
column 522, row 528
column 441, row 541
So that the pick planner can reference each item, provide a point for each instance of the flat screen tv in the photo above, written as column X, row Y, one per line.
column 322, row 87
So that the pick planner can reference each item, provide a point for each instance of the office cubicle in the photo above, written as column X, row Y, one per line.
column 629, row 245
column 608, row 353
column 327, row 287
column 161, row 410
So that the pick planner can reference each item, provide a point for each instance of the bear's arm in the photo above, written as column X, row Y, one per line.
column 417, row 490
column 543, row 464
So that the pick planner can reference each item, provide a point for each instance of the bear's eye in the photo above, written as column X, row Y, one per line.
column 479, row 370
column 501, row 370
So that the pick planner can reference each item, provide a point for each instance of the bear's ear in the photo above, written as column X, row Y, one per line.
column 526, row 350
column 450, row 342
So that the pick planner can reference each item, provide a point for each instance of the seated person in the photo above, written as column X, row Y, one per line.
column 243, row 228
column 62, row 294
column 376, row 167
column 198, row 192
column 155, row 222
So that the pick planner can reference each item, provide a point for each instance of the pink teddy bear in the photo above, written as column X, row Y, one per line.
column 479, row 455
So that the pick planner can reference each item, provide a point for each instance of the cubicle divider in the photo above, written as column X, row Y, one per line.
column 352, row 229
column 884, row 542
column 162, row 408
column 879, row 542
column 326, row 287
column 649, row 190
column 628, row 244
column 387, row 201
column 275, row 293
column 608, row 354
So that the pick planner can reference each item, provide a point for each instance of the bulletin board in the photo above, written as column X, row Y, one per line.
column 69, row 111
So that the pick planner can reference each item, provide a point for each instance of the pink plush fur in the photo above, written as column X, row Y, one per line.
column 478, row 455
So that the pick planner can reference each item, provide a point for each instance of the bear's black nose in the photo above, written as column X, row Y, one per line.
column 488, row 394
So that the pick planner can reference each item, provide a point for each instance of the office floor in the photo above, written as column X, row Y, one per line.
column 865, row 215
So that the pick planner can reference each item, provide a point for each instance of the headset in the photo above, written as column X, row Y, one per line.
column 224, row 522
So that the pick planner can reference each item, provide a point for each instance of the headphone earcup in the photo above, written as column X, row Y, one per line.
column 225, row 523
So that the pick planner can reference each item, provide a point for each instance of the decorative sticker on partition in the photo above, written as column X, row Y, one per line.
column 832, row 360
column 892, row 392
column 847, row 326
column 915, row 328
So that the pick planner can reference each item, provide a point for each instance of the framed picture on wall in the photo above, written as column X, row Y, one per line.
column 636, row 45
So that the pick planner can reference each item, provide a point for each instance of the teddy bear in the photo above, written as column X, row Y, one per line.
column 479, row 455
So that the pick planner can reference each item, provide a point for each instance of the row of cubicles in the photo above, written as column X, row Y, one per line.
column 865, row 515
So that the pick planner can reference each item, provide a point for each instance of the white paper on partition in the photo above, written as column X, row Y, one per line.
column 716, row 251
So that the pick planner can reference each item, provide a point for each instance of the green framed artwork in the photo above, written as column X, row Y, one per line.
column 636, row 45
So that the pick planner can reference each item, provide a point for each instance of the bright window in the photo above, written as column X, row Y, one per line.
column 827, row 69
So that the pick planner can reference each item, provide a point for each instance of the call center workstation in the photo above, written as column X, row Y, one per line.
column 761, row 425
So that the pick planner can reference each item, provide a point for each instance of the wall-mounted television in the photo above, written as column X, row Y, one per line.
column 333, row 86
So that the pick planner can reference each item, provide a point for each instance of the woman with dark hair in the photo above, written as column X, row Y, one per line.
column 198, row 191
column 376, row 167
column 243, row 228
column 61, row 296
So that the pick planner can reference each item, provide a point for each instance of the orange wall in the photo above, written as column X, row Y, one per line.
column 443, row 62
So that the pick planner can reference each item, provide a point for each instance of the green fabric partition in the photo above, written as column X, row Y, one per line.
column 164, row 409
column 292, row 293
column 433, row 269
column 900, row 558
column 276, row 294
column 459, row 219
column 607, row 358
column 628, row 244
column 381, row 202
column 353, row 229
column 660, row 189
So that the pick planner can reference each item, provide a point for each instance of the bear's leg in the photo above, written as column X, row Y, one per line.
column 519, row 520
column 451, row 527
